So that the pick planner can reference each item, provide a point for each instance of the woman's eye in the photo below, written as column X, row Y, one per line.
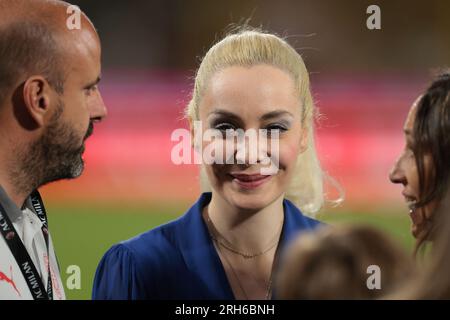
column 409, row 149
column 409, row 152
column 276, row 127
column 224, row 127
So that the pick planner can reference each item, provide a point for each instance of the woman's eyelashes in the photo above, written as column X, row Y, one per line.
column 225, row 126
column 270, row 129
column 409, row 148
column 277, row 127
column 226, row 129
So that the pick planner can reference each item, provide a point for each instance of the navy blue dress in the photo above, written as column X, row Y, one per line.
column 177, row 260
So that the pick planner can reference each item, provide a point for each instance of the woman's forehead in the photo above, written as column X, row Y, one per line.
column 259, row 89
column 410, row 118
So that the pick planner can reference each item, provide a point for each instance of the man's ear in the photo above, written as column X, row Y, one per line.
column 36, row 97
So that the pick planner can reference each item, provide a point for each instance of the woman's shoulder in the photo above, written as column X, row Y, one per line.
column 297, row 217
column 130, row 269
column 312, row 223
column 161, row 240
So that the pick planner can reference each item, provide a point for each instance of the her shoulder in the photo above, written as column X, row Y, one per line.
column 155, row 243
column 131, row 269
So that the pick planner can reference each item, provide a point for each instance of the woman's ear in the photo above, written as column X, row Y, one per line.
column 36, row 97
column 191, row 129
column 304, row 139
column 194, row 134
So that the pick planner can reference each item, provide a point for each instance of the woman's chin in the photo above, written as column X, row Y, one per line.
column 414, row 231
column 249, row 201
column 417, row 225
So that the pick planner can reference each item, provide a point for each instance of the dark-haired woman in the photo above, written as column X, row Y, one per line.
column 423, row 168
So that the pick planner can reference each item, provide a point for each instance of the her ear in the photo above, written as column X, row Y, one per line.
column 191, row 129
column 196, row 134
column 304, row 140
column 36, row 97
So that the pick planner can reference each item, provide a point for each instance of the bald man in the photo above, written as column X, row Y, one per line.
column 49, row 103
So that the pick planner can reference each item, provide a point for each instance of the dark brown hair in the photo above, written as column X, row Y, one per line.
column 431, row 135
column 332, row 263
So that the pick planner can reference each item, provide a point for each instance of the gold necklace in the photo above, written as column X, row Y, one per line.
column 269, row 284
column 229, row 246
column 211, row 229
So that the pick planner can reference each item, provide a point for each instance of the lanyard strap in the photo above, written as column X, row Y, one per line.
column 39, row 209
column 20, row 253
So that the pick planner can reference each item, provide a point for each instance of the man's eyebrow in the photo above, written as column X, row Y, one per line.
column 93, row 83
column 275, row 114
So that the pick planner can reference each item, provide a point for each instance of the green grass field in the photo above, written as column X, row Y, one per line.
column 83, row 233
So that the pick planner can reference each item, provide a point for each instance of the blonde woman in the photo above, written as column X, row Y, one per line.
column 226, row 245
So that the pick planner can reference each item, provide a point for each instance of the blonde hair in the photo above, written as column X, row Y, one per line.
column 250, row 47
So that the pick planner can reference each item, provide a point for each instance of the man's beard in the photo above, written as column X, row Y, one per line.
column 55, row 156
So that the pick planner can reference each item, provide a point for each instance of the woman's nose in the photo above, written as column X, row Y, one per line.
column 396, row 175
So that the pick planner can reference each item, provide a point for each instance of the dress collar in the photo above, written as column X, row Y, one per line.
column 201, row 256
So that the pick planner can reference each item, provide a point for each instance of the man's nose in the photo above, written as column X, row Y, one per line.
column 97, row 107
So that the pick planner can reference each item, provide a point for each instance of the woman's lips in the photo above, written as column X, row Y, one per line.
column 250, row 181
column 411, row 203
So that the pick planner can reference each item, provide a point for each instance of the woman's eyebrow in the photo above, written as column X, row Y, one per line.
column 221, row 112
column 264, row 117
column 275, row 114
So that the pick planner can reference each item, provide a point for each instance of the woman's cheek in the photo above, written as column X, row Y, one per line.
column 214, row 173
column 289, row 151
column 214, row 161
